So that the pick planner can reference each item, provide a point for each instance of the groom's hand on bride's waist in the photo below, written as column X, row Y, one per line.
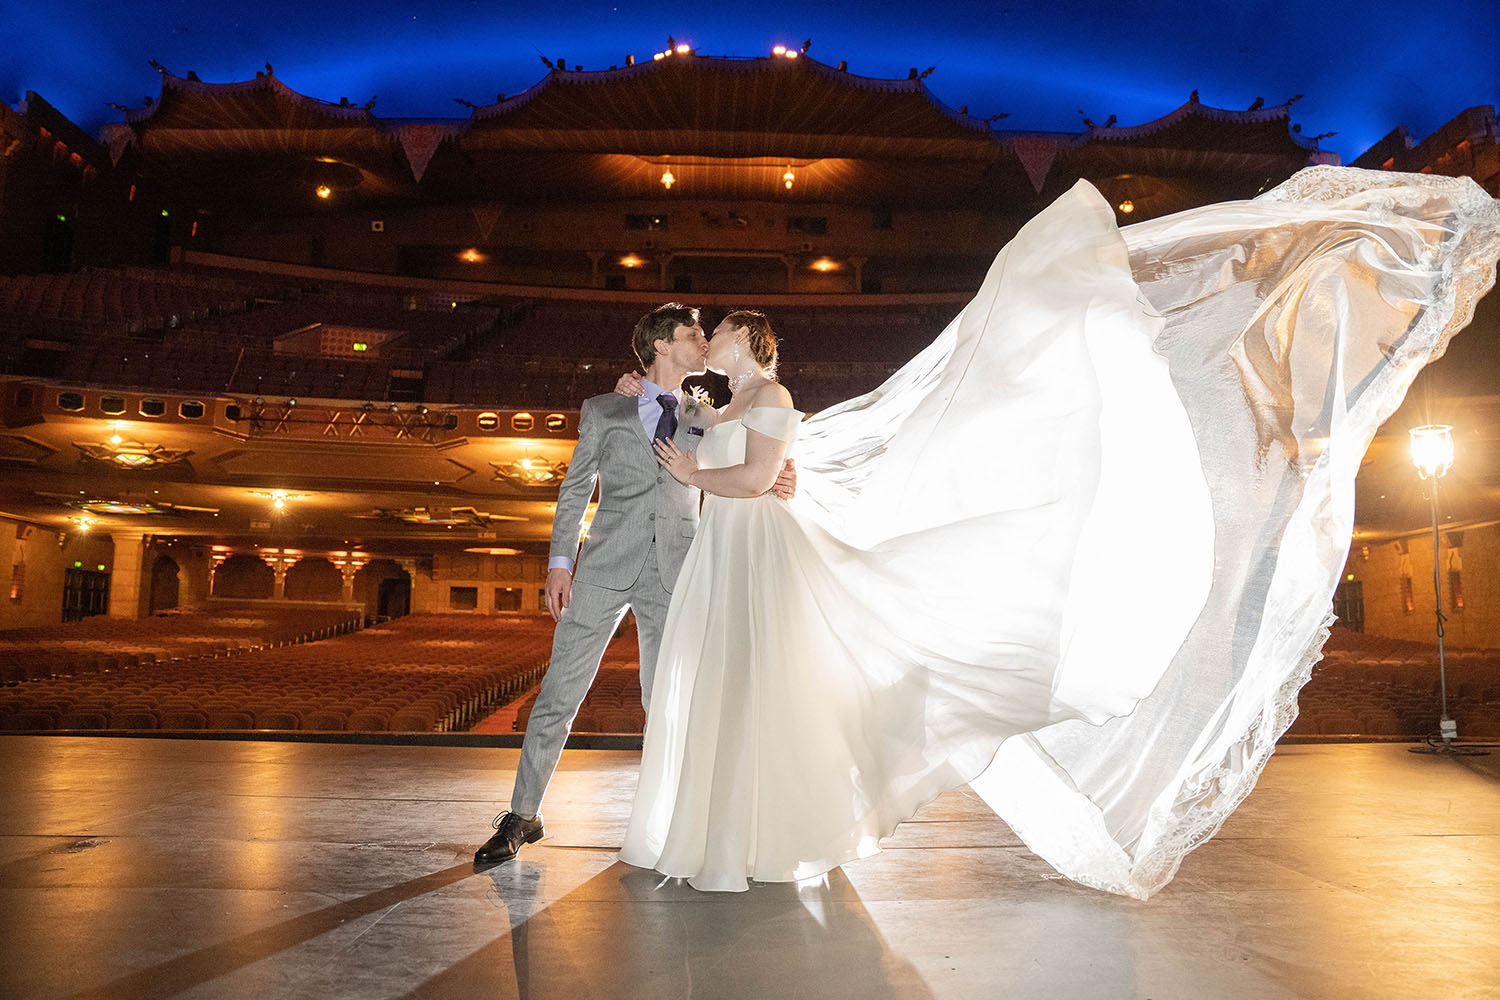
column 559, row 592
column 786, row 483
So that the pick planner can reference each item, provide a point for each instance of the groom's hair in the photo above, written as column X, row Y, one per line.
column 660, row 323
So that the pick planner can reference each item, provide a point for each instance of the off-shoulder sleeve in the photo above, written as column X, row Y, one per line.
column 773, row 421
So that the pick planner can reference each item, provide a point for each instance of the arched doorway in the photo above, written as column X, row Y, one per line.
column 314, row 579
column 164, row 584
column 244, row 576
column 384, row 588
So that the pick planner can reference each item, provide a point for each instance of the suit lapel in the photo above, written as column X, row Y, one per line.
column 631, row 410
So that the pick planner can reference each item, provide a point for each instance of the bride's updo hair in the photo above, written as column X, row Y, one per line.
column 758, row 335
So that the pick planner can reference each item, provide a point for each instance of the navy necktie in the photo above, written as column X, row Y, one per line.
column 666, row 427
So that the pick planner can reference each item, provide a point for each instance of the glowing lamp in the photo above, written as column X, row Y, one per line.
column 667, row 180
column 324, row 191
column 779, row 50
column 683, row 50
column 659, row 55
column 471, row 256
column 631, row 260
column 824, row 265
column 1127, row 206
column 791, row 55
column 788, row 177
column 1432, row 450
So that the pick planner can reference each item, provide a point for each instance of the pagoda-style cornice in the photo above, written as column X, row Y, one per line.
column 264, row 102
column 611, row 134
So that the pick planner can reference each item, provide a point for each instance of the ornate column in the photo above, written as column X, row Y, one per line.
column 128, row 586
column 665, row 260
column 279, row 564
column 595, row 256
column 859, row 272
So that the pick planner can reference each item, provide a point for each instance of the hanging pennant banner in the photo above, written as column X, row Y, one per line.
column 420, row 140
column 486, row 214
column 1036, row 154
column 116, row 136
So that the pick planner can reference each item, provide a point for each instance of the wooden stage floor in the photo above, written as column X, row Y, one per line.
column 185, row 868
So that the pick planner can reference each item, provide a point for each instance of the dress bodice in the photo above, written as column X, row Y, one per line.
column 724, row 443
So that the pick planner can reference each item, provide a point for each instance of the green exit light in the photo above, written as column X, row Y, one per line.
column 62, row 218
column 101, row 567
column 164, row 213
column 360, row 345
column 1349, row 577
column 78, row 564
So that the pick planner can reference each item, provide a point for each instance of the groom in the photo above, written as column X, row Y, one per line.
column 641, row 531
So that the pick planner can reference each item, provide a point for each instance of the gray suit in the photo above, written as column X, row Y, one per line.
column 641, row 532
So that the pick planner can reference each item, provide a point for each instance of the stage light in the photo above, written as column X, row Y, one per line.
column 683, row 50
column 667, row 180
column 788, row 177
column 1127, row 206
column 791, row 55
column 324, row 191
column 1432, row 450
column 1432, row 454
column 658, row 55
column 779, row 50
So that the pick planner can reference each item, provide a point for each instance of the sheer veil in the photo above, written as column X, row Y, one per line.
column 1128, row 467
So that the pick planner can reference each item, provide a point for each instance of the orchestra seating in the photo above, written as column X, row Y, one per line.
column 101, row 644
column 418, row 674
column 1373, row 686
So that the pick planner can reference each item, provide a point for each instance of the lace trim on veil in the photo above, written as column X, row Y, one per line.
column 1208, row 795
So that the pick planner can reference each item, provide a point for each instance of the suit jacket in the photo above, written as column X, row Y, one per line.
column 640, row 504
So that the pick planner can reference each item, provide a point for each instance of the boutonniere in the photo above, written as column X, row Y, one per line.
column 697, row 396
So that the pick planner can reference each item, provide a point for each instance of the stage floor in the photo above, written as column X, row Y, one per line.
column 164, row 868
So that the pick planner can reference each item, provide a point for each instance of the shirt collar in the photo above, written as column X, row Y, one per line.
column 653, row 390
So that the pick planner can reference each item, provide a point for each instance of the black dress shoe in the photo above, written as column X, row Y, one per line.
column 511, row 831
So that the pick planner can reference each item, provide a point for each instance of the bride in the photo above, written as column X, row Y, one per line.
column 1078, row 553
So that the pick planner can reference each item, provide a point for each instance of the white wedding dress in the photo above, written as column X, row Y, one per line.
column 1079, row 552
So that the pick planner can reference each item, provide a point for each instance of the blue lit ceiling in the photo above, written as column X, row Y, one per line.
column 1362, row 70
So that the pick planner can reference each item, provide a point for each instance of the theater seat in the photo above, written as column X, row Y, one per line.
column 325, row 720
column 83, row 720
column 228, row 719
column 134, row 718
column 183, row 719
column 278, row 719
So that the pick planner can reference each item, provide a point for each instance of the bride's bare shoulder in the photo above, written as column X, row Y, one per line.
column 773, row 394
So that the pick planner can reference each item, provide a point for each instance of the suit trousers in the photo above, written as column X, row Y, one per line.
column 593, row 615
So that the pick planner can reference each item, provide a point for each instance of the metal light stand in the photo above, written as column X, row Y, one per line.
column 1432, row 451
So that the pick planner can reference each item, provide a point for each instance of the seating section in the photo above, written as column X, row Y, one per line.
column 1373, row 686
column 199, row 329
column 186, row 330
column 418, row 674
column 101, row 645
